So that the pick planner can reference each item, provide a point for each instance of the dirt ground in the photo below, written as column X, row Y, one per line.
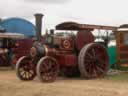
column 10, row 85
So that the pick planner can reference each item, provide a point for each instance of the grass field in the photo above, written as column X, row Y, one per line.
column 114, row 85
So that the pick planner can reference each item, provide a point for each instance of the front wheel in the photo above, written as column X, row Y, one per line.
column 25, row 70
column 47, row 69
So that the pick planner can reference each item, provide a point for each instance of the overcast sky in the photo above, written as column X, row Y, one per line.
column 103, row 12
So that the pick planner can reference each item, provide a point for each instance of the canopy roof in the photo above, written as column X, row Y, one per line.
column 77, row 26
column 12, row 35
column 123, row 28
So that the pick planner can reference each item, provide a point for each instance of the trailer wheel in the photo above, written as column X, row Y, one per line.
column 47, row 69
column 93, row 61
column 25, row 70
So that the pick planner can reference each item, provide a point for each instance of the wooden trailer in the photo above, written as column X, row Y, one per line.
column 122, row 45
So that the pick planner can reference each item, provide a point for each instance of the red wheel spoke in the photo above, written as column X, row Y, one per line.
column 24, row 74
column 100, row 69
column 93, row 52
column 88, row 60
column 27, row 75
column 25, row 69
column 47, row 69
column 87, row 66
column 30, row 72
column 94, row 72
column 89, row 55
column 94, row 58
column 101, row 64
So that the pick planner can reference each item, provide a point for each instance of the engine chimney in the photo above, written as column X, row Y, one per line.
column 0, row 19
column 38, row 22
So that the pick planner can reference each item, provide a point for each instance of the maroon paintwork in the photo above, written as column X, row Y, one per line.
column 22, row 48
column 67, row 60
column 84, row 37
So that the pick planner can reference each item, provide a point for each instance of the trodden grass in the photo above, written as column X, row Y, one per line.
column 113, row 85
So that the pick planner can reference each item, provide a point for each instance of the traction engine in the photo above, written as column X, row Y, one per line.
column 66, row 53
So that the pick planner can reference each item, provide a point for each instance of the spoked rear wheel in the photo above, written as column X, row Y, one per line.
column 47, row 69
column 25, row 70
column 93, row 61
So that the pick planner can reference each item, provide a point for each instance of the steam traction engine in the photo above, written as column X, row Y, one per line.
column 66, row 53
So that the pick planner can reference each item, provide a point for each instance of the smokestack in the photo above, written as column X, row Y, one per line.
column 38, row 23
column 0, row 20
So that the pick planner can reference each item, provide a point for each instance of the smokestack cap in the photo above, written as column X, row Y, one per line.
column 39, row 14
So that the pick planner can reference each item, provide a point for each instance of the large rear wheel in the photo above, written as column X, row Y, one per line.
column 93, row 61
